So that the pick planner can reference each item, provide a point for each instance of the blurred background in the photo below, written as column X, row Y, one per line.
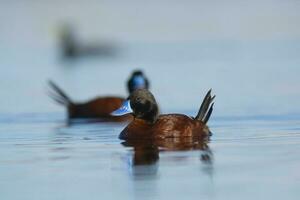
column 247, row 51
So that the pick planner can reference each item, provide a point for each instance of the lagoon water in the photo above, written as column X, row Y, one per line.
column 42, row 158
column 251, row 62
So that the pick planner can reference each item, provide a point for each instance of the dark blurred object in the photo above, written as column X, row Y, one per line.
column 73, row 48
column 145, row 152
column 99, row 107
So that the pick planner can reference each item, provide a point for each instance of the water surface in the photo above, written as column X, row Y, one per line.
column 42, row 157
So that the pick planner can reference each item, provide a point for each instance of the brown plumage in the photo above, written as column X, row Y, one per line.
column 166, row 126
column 99, row 108
column 147, row 124
column 171, row 144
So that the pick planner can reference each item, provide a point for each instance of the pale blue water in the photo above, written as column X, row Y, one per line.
column 41, row 158
column 247, row 52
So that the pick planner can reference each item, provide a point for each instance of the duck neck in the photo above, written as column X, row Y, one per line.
column 150, row 117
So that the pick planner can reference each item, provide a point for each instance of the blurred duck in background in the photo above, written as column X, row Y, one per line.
column 101, row 107
column 148, row 124
column 73, row 48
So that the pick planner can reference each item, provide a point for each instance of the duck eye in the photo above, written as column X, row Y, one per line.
column 138, row 99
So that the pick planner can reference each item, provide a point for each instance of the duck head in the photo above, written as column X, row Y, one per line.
column 142, row 104
column 137, row 81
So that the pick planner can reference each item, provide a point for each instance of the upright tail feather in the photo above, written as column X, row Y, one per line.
column 206, row 108
column 58, row 95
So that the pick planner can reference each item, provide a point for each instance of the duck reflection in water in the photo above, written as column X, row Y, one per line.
column 143, row 162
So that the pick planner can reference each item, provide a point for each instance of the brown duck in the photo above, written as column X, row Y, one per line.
column 148, row 124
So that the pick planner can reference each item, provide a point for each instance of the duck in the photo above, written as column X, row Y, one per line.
column 72, row 47
column 99, row 107
column 148, row 124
